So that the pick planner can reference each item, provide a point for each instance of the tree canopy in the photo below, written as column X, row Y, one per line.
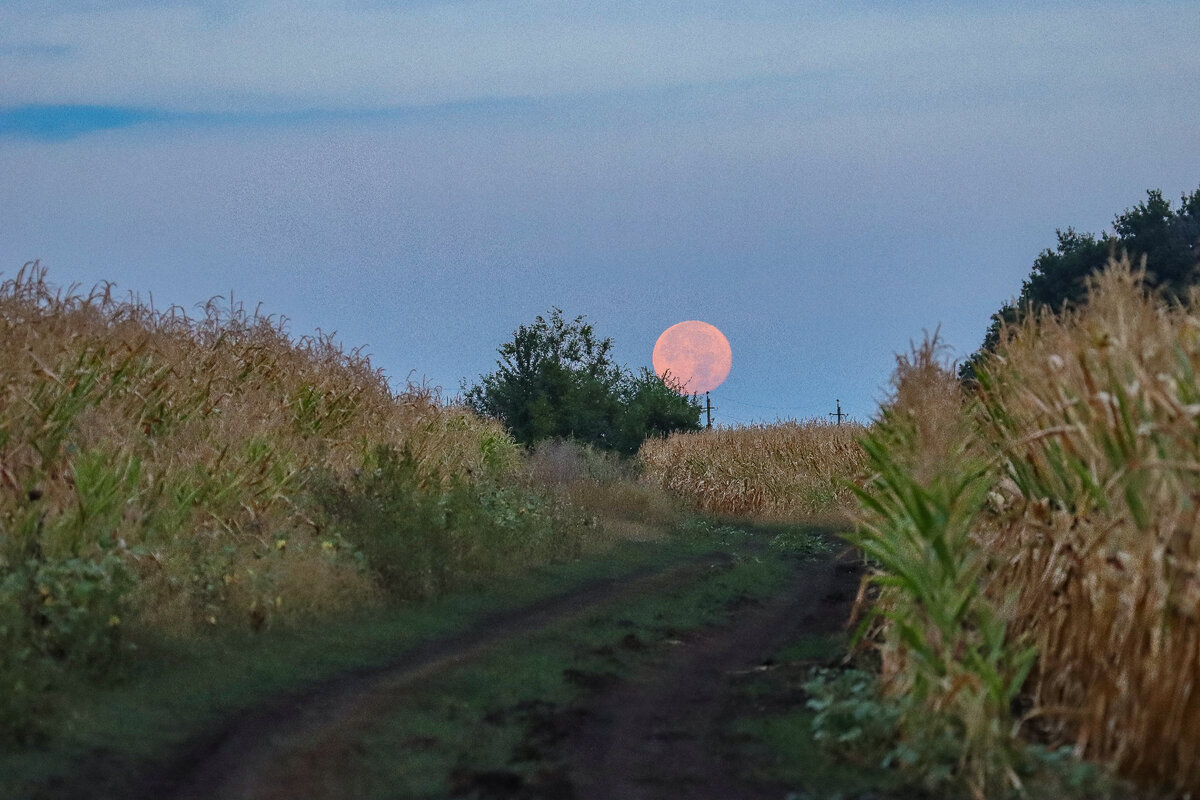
column 1168, row 238
column 556, row 379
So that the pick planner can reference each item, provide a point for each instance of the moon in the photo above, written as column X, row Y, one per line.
column 697, row 355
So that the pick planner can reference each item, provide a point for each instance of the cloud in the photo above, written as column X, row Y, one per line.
column 281, row 57
column 67, row 122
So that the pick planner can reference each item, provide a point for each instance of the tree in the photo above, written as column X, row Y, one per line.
column 556, row 379
column 1169, row 240
column 652, row 408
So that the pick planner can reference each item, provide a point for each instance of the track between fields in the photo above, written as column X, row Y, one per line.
column 310, row 729
column 659, row 734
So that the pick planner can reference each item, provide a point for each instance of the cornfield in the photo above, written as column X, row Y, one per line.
column 788, row 471
column 1095, row 418
column 1062, row 522
column 186, row 448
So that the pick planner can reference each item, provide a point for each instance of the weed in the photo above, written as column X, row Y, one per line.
column 854, row 722
column 56, row 616
column 800, row 541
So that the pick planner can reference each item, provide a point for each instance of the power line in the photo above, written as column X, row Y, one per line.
column 840, row 414
column 755, row 405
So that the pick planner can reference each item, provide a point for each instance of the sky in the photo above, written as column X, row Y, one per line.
column 825, row 182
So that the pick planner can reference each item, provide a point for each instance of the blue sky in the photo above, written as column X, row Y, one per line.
column 822, row 181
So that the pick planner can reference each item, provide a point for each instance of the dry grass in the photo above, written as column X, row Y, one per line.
column 187, row 446
column 1094, row 419
column 1083, row 537
column 622, row 505
column 789, row 471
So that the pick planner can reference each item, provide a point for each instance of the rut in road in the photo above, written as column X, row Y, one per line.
column 286, row 749
column 662, row 735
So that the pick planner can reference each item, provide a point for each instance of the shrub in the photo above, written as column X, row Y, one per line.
column 57, row 617
column 556, row 380
column 856, row 723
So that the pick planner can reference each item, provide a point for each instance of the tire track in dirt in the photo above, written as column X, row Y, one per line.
column 663, row 734
column 284, row 748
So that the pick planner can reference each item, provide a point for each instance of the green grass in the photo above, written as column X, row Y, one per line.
column 814, row 647
column 777, row 736
column 176, row 688
column 786, row 753
column 498, row 716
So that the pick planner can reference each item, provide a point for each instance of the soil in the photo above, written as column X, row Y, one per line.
column 664, row 734
column 659, row 734
column 285, row 750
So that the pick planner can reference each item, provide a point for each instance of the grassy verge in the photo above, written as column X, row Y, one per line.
column 179, row 687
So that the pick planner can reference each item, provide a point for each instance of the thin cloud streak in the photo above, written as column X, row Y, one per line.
column 280, row 57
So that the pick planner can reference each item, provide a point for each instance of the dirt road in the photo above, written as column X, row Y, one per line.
column 664, row 734
column 660, row 733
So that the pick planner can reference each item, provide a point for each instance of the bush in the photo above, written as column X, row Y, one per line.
column 58, row 618
column 854, row 722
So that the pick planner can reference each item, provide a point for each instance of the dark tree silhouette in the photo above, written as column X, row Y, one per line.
column 1168, row 239
column 556, row 379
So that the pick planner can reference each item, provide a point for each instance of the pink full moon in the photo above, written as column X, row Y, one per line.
column 696, row 354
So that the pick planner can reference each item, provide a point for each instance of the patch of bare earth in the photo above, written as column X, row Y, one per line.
column 290, row 748
column 664, row 733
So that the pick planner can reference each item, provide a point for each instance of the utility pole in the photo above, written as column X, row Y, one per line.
column 838, row 413
column 708, row 408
